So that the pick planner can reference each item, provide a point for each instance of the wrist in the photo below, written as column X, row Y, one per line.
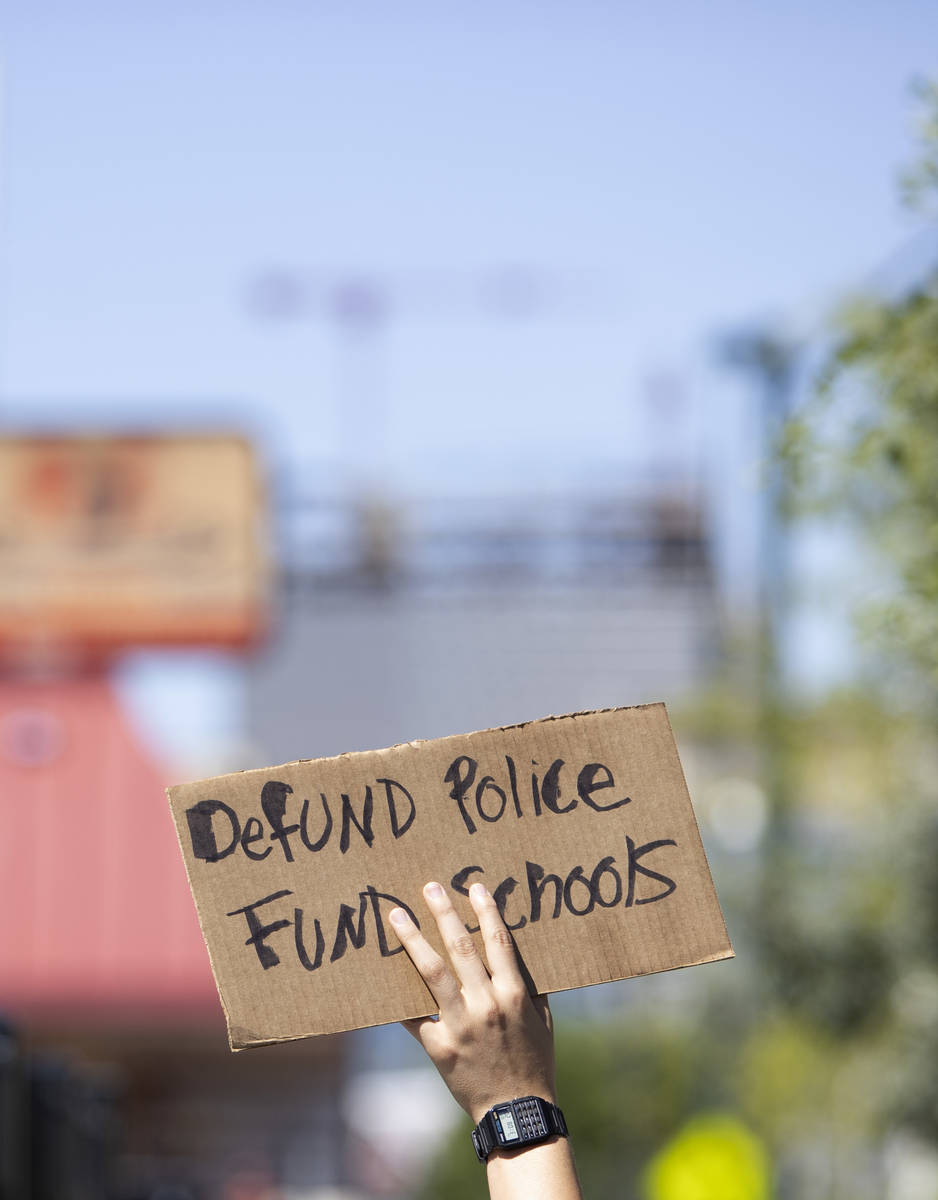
column 517, row 1124
column 545, row 1170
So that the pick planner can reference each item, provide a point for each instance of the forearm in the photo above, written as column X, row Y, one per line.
column 493, row 1044
column 538, row 1171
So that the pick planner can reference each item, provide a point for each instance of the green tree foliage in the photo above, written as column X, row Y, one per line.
column 866, row 449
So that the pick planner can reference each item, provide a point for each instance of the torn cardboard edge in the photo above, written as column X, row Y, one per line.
column 416, row 743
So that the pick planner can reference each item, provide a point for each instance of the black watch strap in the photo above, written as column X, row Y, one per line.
column 515, row 1124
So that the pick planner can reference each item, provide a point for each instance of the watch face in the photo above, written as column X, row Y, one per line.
column 505, row 1120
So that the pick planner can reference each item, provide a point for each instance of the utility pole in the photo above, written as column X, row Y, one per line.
column 770, row 362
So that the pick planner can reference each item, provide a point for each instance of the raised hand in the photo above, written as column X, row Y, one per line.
column 492, row 1042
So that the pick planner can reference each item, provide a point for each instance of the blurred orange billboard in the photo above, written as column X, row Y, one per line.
column 108, row 542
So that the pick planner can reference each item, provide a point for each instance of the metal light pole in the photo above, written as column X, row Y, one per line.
column 360, row 308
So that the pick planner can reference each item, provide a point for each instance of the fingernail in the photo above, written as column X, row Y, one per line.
column 433, row 890
column 398, row 916
column 479, row 891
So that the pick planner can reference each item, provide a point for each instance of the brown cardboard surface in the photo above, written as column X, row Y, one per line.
column 581, row 826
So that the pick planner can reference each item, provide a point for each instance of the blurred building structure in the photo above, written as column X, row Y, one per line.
column 403, row 620
column 116, row 1081
column 105, row 972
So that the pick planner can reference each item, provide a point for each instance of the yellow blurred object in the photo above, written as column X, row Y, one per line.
column 711, row 1158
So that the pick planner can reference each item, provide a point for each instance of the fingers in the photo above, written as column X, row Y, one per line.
column 472, row 977
column 413, row 1025
column 421, row 1028
column 499, row 944
column 458, row 941
column 542, row 1008
column 443, row 987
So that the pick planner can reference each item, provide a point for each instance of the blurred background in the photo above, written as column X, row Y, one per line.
column 373, row 372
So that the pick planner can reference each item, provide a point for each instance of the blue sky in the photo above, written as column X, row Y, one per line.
column 708, row 163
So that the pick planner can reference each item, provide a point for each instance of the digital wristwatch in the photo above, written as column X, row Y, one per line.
column 517, row 1123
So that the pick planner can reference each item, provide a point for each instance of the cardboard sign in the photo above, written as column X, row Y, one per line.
column 580, row 826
